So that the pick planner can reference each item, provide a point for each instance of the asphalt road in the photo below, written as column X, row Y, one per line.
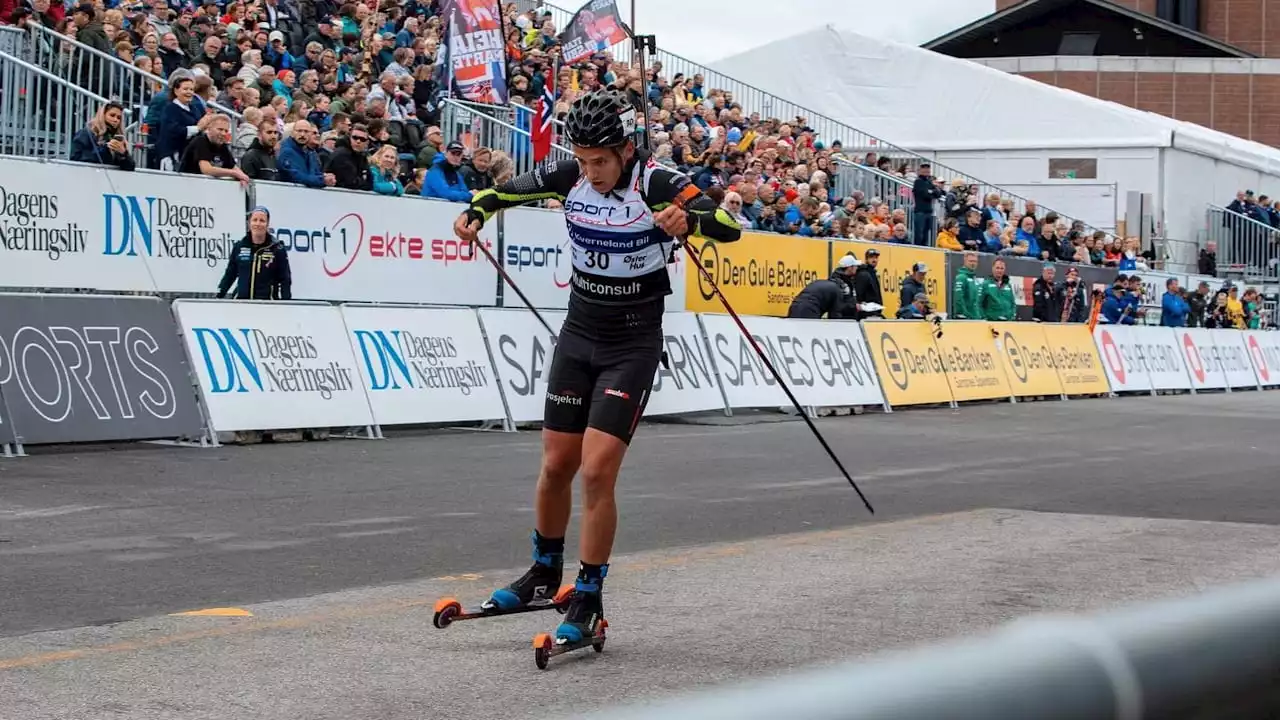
column 739, row 553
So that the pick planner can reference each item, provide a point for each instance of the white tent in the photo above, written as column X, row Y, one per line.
column 1004, row 128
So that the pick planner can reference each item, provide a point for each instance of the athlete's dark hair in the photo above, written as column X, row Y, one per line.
column 600, row 119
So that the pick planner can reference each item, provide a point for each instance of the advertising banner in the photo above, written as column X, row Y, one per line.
column 825, row 362
column 1028, row 358
column 689, row 383
column 595, row 28
column 969, row 356
column 1075, row 357
column 363, row 247
column 1204, row 363
column 522, row 352
column 1139, row 358
column 1023, row 273
column 894, row 264
column 78, row 226
column 476, row 50
column 537, row 254
column 7, row 436
column 759, row 274
column 423, row 365
column 273, row 365
column 84, row 368
column 909, row 365
column 1234, row 356
column 1264, row 351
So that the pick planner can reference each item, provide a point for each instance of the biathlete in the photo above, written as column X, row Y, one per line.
column 623, row 211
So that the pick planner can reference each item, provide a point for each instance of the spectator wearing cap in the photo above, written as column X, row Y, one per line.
column 89, row 29
column 257, row 264
column 913, row 283
column 866, row 283
column 917, row 309
column 259, row 161
column 834, row 297
column 350, row 160
column 1174, row 308
column 443, row 180
column 102, row 141
column 298, row 162
column 925, row 194
column 997, row 295
column 1047, row 297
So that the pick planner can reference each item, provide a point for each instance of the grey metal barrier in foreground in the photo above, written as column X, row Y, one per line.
column 1215, row 655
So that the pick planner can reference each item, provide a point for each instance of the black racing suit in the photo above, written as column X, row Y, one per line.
column 611, row 342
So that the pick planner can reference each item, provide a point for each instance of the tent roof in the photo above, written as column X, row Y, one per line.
column 1028, row 10
column 919, row 99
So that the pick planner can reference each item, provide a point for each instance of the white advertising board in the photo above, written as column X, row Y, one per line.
column 522, row 351
column 77, row 226
column 688, row 383
column 273, row 365
column 423, row 365
column 1264, row 351
column 825, row 362
column 370, row 248
column 1204, row 363
column 537, row 255
column 1233, row 352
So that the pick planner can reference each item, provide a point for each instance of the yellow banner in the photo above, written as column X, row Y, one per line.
column 910, row 367
column 969, row 354
column 895, row 262
column 1076, row 358
column 759, row 274
column 1028, row 359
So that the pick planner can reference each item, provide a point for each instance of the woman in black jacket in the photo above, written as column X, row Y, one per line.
column 258, row 264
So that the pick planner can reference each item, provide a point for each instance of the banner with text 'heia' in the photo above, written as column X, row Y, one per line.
column 825, row 362
column 273, row 365
column 423, row 365
column 522, row 351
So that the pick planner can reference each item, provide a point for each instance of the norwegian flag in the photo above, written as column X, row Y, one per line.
column 542, row 124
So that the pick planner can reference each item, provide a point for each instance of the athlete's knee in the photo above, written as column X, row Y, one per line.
column 598, row 481
column 560, row 460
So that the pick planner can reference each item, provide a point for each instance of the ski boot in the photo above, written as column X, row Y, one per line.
column 537, row 589
column 584, row 624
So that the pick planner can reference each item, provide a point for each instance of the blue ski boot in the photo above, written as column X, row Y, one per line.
column 538, row 587
column 586, row 609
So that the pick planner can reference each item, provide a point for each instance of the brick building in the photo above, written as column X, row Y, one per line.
column 1215, row 63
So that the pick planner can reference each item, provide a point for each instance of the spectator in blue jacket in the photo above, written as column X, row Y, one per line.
column 1116, row 309
column 1173, row 307
column 298, row 163
column 443, row 180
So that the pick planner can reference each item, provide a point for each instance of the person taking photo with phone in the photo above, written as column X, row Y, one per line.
column 102, row 141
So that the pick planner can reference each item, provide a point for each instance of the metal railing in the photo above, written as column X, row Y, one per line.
column 855, row 142
column 40, row 113
column 1245, row 246
column 491, row 126
column 11, row 39
column 102, row 74
column 1211, row 656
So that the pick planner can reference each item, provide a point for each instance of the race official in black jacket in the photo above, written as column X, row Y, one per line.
column 833, row 297
column 1046, row 297
column 258, row 264
column 866, row 283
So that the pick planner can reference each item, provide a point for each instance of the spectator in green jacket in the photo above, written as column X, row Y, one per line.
column 997, row 295
column 966, row 295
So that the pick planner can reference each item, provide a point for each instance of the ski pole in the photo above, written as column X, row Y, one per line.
column 776, row 376
column 506, row 277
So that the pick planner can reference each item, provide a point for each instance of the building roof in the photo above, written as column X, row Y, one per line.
column 1029, row 10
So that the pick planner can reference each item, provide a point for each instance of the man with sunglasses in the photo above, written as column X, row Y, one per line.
column 350, row 160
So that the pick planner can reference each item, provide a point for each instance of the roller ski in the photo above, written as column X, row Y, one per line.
column 533, row 592
column 583, row 626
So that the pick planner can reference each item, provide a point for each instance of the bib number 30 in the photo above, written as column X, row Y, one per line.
column 596, row 260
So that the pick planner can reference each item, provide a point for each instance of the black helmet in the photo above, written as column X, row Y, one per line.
column 600, row 119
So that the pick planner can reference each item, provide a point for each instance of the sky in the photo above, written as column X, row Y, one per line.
column 709, row 30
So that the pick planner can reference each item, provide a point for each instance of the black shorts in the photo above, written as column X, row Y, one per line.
column 602, row 385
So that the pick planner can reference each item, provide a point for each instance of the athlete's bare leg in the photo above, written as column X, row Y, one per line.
column 553, row 501
column 602, row 455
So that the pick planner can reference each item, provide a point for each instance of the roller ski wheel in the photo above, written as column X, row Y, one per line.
column 448, row 610
column 547, row 646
